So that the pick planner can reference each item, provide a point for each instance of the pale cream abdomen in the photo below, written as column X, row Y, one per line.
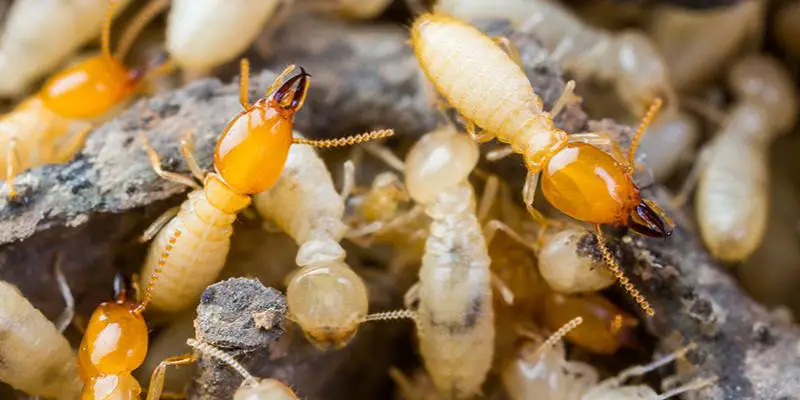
column 36, row 358
column 731, row 199
column 196, row 257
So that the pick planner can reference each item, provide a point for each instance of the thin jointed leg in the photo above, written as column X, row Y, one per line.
column 187, row 151
column 73, row 144
column 567, row 97
column 510, row 49
column 643, row 369
column 66, row 316
column 157, row 379
column 155, row 162
column 12, row 166
column 490, row 192
column 158, row 224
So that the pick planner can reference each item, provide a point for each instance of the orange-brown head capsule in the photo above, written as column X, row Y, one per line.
column 252, row 150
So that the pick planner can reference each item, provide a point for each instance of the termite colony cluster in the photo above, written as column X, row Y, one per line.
column 471, row 237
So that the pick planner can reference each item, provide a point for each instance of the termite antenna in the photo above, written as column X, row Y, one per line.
column 225, row 358
column 689, row 387
column 145, row 15
column 557, row 335
column 394, row 315
column 615, row 269
column 639, row 370
column 105, row 33
column 345, row 141
column 637, row 137
column 162, row 261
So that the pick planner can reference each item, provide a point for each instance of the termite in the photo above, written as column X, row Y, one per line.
column 731, row 200
column 51, row 126
column 492, row 92
column 541, row 371
column 249, row 157
column 668, row 144
column 35, row 42
column 605, row 329
column 251, row 388
column 628, row 59
column 567, row 266
column 697, row 44
column 325, row 296
column 203, row 34
column 36, row 358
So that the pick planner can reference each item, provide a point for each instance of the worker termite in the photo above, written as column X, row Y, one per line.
column 669, row 143
column 34, row 42
column 731, row 194
column 325, row 296
column 51, row 126
column 251, row 388
column 36, row 358
column 693, row 43
column 629, row 59
column 542, row 371
column 565, row 264
column 249, row 157
column 492, row 92
column 203, row 34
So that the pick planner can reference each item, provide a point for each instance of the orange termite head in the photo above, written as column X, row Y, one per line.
column 648, row 220
column 290, row 97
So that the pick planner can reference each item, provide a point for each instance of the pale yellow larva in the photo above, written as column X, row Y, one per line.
column 189, row 252
column 480, row 80
column 731, row 197
column 36, row 358
column 325, row 296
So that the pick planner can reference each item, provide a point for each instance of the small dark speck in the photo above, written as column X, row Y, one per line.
column 702, row 308
column 208, row 295
column 80, row 185
column 128, row 141
column 130, row 189
column 763, row 334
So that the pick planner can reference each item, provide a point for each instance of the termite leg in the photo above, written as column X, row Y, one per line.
column 404, row 384
column 510, row 49
column 693, row 177
column 528, row 196
column 12, row 166
column 477, row 135
column 505, row 292
column 637, row 137
column 567, row 97
column 599, row 139
column 385, row 155
column 689, row 387
column 158, row 224
column 157, row 379
column 66, row 316
column 145, row 15
column 279, row 79
column 489, row 196
column 348, row 179
column 492, row 227
column 73, row 144
column 187, row 151
column 411, row 297
column 155, row 162
column 499, row 153
column 643, row 369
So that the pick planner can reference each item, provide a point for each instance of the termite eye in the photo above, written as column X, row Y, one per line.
column 292, row 94
column 646, row 221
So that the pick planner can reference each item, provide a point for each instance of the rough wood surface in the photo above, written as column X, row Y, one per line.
column 364, row 77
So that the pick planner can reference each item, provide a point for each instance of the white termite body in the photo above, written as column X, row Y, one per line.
column 544, row 373
column 566, row 265
column 36, row 358
column 194, row 245
column 325, row 296
column 203, row 34
column 697, row 44
column 515, row 115
column 731, row 200
column 629, row 58
column 455, row 316
column 39, row 35
column 668, row 143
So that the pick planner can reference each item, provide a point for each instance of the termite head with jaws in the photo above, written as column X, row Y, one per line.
column 95, row 86
column 590, row 185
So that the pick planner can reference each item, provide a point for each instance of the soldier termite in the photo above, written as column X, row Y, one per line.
column 37, row 359
column 203, row 34
column 325, row 296
column 51, row 126
column 731, row 194
column 493, row 93
column 252, row 388
column 248, row 159
column 541, row 371
column 34, row 42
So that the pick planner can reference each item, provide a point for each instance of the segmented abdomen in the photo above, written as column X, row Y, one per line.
column 194, row 246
